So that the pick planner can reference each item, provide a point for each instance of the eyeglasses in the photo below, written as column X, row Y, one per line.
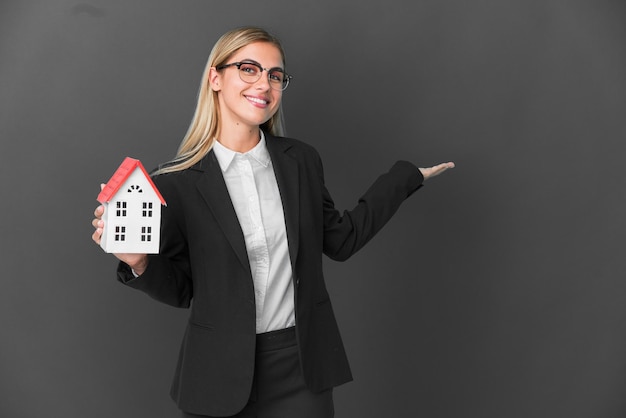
column 250, row 72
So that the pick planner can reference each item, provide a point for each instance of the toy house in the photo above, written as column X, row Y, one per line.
column 132, row 211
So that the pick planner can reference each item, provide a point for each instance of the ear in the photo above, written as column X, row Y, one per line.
column 215, row 79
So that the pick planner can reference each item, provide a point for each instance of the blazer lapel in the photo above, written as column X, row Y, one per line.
column 286, row 171
column 212, row 188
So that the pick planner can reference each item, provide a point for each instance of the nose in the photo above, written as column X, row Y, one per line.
column 263, row 83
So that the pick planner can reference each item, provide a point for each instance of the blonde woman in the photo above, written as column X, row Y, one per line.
column 248, row 218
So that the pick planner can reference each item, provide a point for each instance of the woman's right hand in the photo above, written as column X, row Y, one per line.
column 137, row 262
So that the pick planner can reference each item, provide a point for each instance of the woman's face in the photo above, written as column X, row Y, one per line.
column 241, row 102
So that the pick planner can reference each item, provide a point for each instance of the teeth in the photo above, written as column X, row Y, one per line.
column 255, row 100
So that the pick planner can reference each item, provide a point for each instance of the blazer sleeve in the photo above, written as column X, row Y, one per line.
column 168, row 275
column 345, row 234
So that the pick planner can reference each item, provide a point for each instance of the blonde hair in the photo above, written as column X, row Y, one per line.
column 204, row 126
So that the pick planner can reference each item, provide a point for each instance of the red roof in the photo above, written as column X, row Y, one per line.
column 119, row 177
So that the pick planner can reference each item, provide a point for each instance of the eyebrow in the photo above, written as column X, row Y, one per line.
column 250, row 60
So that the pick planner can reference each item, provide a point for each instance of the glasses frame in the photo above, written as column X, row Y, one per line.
column 238, row 64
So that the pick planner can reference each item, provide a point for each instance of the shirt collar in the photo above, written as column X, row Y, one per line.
column 225, row 156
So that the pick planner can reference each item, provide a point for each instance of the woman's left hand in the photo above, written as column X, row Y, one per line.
column 435, row 170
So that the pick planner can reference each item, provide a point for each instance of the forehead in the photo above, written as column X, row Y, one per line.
column 265, row 53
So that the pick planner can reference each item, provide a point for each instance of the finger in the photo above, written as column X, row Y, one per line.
column 102, row 186
column 96, row 236
column 444, row 166
column 99, row 211
column 440, row 168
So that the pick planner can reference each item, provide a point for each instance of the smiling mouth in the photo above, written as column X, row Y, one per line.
column 257, row 100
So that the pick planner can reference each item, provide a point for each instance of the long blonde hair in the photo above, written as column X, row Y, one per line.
column 205, row 123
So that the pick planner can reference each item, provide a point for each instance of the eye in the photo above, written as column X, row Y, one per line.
column 249, row 69
column 277, row 75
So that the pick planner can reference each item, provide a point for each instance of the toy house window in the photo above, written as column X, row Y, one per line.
column 146, row 233
column 120, row 208
column 120, row 233
column 135, row 188
column 147, row 210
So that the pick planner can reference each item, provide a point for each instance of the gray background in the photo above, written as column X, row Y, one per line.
column 497, row 291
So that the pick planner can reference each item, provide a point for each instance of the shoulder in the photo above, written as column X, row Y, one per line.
column 164, row 174
column 167, row 184
column 170, row 178
column 178, row 182
column 292, row 146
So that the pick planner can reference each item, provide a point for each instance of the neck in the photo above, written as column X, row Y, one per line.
column 240, row 139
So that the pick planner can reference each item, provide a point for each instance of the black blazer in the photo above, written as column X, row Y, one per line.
column 203, row 258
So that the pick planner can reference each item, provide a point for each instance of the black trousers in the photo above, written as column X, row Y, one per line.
column 279, row 390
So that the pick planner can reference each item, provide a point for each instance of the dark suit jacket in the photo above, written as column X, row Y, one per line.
column 203, row 257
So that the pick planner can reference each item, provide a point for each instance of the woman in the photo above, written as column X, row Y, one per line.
column 247, row 219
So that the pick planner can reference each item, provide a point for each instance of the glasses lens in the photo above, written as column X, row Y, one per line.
column 249, row 72
column 277, row 76
column 278, row 79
